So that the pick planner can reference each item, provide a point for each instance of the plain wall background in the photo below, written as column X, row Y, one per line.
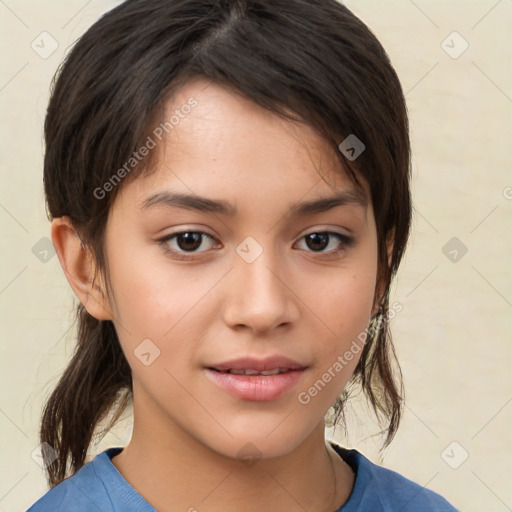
column 453, row 337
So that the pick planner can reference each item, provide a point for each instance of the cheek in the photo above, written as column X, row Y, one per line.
column 344, row 311
column 343, row 301
column 161, row 302
column 150, row 293
column 343, row 306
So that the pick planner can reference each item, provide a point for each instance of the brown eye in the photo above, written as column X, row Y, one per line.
column 185, row 242
column 319, row 241
column 189, row 241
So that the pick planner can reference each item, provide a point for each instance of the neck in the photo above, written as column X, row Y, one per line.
column 176, row 472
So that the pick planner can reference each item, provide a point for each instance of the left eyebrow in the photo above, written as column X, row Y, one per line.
column 204, row 204
column 324, row 204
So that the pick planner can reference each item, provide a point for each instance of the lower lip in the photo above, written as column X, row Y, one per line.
column 259, row 388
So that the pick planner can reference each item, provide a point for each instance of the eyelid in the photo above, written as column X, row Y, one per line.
column 328, row 229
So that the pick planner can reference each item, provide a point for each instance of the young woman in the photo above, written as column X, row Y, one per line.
column 228, row 184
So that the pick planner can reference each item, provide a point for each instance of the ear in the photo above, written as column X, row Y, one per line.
column 380, row 287
column 78, row 265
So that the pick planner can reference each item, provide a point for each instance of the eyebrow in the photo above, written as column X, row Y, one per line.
column 203, row 204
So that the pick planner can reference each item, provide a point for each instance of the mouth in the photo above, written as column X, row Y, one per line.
column 252, row 372
column 254, row 366
column 257, row 380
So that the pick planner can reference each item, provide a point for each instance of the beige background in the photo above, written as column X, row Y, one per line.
column 454, row 334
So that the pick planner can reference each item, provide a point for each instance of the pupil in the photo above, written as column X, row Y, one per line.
column 189, row 238
column 319, row 241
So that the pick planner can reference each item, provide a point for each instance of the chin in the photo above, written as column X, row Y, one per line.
column 259, row 440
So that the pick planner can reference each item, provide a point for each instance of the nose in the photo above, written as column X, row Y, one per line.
column 259, row 295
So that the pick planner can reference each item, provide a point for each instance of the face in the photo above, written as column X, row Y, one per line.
column 240, row 276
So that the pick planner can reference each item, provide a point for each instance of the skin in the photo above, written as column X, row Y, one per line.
column 294, row 299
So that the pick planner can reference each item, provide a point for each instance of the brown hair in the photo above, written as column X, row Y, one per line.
column 312, row 58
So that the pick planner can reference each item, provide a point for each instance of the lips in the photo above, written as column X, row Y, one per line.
column 257, row 379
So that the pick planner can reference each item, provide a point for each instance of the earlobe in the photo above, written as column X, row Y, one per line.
column 78, row 265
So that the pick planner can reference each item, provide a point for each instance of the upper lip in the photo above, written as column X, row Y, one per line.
column 251, row 363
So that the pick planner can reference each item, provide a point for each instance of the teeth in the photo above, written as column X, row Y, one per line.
column 250, row 372
column 271, row 372
column 244, row 372
column 275, row 371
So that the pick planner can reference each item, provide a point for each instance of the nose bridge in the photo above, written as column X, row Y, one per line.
column 259, row 299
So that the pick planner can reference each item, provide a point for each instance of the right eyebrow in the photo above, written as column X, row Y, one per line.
column 190, row 202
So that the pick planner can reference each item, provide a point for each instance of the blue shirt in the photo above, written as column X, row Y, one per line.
column 99, row 487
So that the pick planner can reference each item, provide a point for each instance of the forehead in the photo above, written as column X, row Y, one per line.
column 227, row 146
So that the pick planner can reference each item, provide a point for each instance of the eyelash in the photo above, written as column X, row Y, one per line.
column 345, row 240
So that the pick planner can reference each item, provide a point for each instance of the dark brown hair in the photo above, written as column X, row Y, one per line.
column 309, row 60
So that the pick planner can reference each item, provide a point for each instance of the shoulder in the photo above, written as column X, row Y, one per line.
column 86, row 489
column 380, row 489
